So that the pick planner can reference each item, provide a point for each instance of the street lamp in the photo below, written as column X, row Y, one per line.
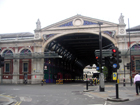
column 101, row 77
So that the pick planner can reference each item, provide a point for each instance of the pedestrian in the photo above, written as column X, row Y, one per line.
column 95, row 81
column 25, row 81
column 137, row 83
column 42, row 81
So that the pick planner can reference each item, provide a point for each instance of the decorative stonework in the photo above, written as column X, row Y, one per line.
column 122, row 30
column 89, row 23
column 36, row 35
column 66, row 24
column 121, row 20
column 38, row 25
column 46, row 37
column 110, row 33
column 78, row 22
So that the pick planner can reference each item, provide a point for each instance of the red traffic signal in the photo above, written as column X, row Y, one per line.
column 97, row 57
column 113, row 50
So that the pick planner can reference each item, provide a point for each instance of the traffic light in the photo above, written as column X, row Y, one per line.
column 98, row 63
column 103, row 61
column 118, row 58
column 98, row 60
column 132, row 65
column 1, row 61
column 128, row 65
column 114, row 57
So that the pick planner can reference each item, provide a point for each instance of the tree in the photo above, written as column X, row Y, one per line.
column 105, row 72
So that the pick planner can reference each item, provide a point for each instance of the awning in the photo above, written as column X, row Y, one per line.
column 36, row 55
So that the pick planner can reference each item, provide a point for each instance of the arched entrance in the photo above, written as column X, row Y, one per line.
column 77, row 51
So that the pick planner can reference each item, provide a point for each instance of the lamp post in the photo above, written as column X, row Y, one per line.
column 101, row 77
column 130, row 55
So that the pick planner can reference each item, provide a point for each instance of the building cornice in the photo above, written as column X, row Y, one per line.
column 20, row 41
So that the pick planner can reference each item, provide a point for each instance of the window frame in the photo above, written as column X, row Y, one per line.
column 6, row 66
column 23, row 67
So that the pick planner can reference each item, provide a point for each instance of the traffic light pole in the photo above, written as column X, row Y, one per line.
column 101, row 77
column 124, row 76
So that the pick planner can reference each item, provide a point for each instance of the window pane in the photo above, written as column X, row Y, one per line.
column 25, row 67
column 137, row 64
column 7, row 67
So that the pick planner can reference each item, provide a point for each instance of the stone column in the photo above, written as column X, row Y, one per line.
column 15, row 69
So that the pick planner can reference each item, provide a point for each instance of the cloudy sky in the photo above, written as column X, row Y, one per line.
column 21, row 15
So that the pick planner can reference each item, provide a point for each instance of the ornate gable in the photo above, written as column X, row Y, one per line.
column 78, row 21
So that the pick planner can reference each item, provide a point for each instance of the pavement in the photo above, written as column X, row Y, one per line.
column 126, row 93
column 4, row 100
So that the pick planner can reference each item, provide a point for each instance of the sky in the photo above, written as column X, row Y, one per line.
column 21, row 15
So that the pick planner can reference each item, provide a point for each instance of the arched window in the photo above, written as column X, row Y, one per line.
column 25, row 51
column 135, row 47
column 7, row 64
column 8, row 53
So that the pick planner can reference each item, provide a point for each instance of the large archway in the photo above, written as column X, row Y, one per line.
column 77, row 51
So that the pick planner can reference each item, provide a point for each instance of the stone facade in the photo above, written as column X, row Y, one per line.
column 37, row 42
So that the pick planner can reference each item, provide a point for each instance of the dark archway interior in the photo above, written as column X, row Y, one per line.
column 77, row 51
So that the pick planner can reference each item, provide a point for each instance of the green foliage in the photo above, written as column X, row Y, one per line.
column 105, row 71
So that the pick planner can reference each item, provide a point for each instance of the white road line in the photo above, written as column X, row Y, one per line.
column 9, row 94
column 105, row 103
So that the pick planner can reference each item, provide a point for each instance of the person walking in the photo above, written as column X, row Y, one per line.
column 42, row 81
column 137, row 83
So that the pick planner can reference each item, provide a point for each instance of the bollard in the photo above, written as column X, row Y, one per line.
column 124, row 82
column 117, row 91
column 87, row 85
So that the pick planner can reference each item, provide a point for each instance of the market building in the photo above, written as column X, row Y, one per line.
column 62, row 50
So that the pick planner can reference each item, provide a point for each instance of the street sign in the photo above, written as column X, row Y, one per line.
column 97, row 68
column 114, row 76
column 114, row 65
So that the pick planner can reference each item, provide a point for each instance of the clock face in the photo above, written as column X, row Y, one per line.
column 122, row 31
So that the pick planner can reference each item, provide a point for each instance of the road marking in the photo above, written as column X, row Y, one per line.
column 21, row 98
column 16, row 89
column 19, row 103
column 6, row 96
column 105, row 103
column 16, row 103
